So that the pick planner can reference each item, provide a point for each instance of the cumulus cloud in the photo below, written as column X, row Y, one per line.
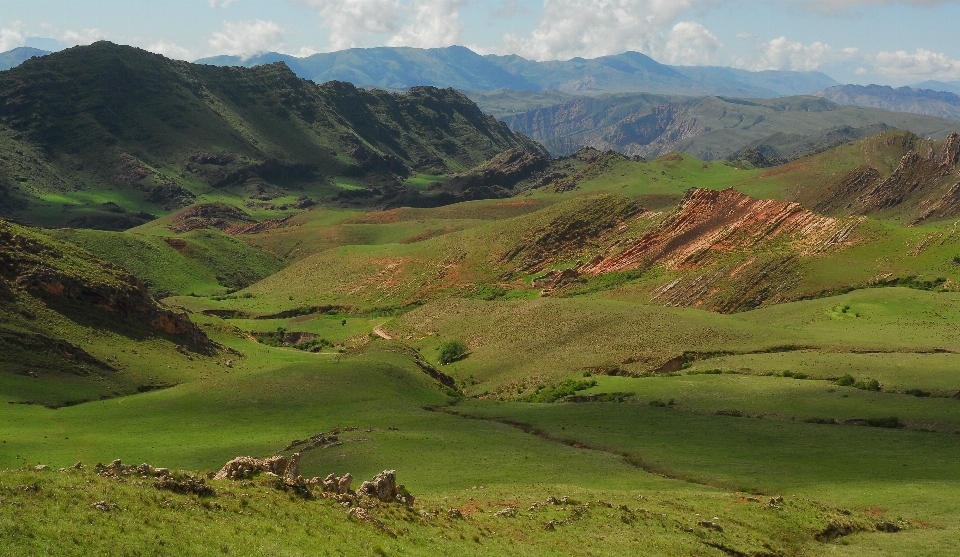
column 592, row 28
column 920, row 64
column 351, row 21
column 433, row 23
column 784, row 54
column 12, row 37
column 242, row 38
column 87, row 36
column 418, row 23
column 170, row 50
column 690, row 44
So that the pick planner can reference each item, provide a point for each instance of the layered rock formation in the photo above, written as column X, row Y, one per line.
column 710, row 224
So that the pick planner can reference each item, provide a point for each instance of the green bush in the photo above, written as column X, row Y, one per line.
column 452, row 350
column 845, row 381
column 552, row 394
column 892, row 422
column 868, row 385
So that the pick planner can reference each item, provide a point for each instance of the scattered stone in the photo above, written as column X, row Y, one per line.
column 184, row 485
column 246, row 467
column 78, row 466
column 62, row 470
column 455, row 514
column 41, row 467
column 551, row 525
column 228, row 363
column 333, row 484
column 117, row 469
column 710, row 524
column 104, row 506
column 362, row 515
column 506, row 512
column 774, row 501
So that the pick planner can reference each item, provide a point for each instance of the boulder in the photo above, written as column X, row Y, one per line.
column 244, row 467
column 383, row 486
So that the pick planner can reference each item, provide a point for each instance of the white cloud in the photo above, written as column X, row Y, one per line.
column 922, row 63
column 860, row 71
column 434, row 23
column 222, row 4
column 351, row 21
column 784, row 54
column 170, row 50
column 12, row 37
column 592, row 28
column 87, row 36
column 834, row 7
column 690, row 44
column 245, row 39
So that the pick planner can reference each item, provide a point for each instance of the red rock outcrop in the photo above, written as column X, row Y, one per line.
column 712, row 223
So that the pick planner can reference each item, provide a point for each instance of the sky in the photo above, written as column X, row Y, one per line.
column 888, row 42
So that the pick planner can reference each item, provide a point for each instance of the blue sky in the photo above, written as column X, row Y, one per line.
column 893, row 42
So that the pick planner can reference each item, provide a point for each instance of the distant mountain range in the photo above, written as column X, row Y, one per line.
column 709, row 128
column 944, row 104
column 17, row 56
column 461, row 68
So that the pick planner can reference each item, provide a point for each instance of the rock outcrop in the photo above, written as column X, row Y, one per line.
column 38, row 263
column 245, row 467
column 712, row 223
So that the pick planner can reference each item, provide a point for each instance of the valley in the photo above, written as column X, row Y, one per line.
column 597, row 353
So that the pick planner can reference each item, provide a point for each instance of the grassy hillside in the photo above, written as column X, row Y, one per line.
column 108, row 136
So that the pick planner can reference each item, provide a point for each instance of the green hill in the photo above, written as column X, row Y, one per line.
column 108, row 136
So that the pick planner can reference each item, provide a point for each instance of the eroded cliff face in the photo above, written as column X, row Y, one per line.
column 710, row 224
column 32, row 262
column 924, row 186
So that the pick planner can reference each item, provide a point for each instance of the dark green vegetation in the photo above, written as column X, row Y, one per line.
column 108, row 137
column 673, row 357
column 461, row 68
column 942, row 103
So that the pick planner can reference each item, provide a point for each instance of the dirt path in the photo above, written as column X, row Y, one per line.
column 378, row 330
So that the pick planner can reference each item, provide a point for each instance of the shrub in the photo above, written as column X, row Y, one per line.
column 892, row 422
column 868, row 385
column 845, row 381
column 452, row 350
column 567, row 388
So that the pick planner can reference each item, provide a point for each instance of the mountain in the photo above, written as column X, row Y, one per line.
column 708, row 128
column 461, row 68
column 15, row 57
column 942, row 103
column 108, row 136
column 950, row 86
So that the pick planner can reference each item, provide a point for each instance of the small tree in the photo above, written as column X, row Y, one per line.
column 452, row 350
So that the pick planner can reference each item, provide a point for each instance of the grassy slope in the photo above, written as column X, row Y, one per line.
column 207, row 263
column 272, row 395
